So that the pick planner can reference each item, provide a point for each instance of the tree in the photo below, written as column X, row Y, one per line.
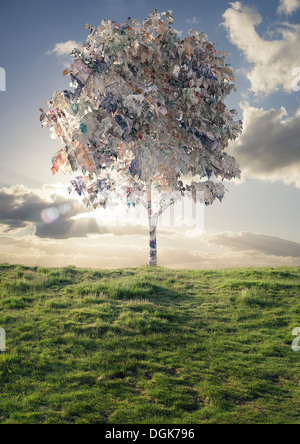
column 145, row 117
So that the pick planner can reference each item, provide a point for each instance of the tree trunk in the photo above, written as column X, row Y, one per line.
column 152, row 229
column 153, row 248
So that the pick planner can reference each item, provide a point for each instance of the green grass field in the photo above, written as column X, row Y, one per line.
column 149, row 346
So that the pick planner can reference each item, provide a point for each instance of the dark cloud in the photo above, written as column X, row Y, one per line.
column 21, row 207
column 269, row 145
column 82, row 228
column 12, row 225
column 261, row 243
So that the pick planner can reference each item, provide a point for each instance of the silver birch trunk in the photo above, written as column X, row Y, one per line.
column 152, row 228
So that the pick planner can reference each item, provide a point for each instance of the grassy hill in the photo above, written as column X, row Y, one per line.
column 149, row 346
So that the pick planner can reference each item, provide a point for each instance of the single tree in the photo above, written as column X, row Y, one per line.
column 145, row 120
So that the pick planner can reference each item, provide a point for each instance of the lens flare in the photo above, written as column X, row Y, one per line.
column 50, row 215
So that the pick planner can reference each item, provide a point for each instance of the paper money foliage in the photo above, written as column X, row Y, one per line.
column 145, row 107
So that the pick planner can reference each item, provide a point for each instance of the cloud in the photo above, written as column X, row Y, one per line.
column 213, row 251
column 44, row 227
column 65, row 48
column 84, row 228
column 88, row 253
column 272, row 60
column 257, row 243
column 193, row 21
column 21, row 206
column 268, row 149
column 49, row 215
column 288, row 7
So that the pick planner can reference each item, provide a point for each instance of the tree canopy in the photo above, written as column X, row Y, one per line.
column 145, row 104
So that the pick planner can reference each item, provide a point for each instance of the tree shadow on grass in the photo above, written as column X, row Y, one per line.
column 162, row 295
column 128, row 307
column 157, row 294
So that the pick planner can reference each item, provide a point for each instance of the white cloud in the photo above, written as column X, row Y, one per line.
column 288, row 7
column 273, row 60
column 269, row 146
column 193, row 21
column 64, row 48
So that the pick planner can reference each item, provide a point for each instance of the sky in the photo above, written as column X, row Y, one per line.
column 257, row 224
